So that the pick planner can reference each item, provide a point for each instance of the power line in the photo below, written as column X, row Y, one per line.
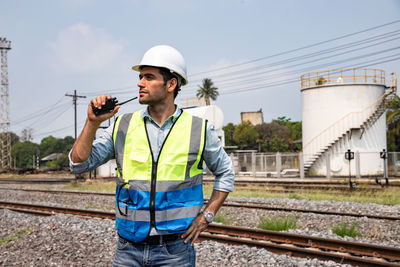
column 50, row 116
column 60, row 129
column 244, row 73
column 53, row 119
column 314, row 67
column 284, row 82
column 298, row 72
column 298, row 49
column 39, row 112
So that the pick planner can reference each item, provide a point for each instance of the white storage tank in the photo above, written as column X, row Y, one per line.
column 345, row 109
column 213, row 114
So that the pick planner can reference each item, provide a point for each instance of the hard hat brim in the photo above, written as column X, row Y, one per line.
column 137, row 68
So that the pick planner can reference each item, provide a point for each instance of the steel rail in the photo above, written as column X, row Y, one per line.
column 234, row 204
column 294, row 251
column 371, row 250
column 57, row 209
column 37, row 181
column 47, row 191
column 241, row 235
column 47, row 180
column 277, row 182
column 327, row 186
column 351, row 214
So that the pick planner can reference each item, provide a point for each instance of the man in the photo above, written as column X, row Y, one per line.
column 159, row 153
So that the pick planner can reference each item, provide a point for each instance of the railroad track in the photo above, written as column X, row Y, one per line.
column 309, row 186
column 234, row 204
column 354, row 253
column 47, row 180
column 292, row 184
column 37, row 181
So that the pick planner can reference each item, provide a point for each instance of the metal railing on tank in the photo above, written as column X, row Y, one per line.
column 346, row 76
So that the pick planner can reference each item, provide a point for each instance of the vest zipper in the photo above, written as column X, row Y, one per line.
column 154, row 166
column 153, row 194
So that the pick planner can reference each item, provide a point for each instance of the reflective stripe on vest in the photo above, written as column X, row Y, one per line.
column 176, row 190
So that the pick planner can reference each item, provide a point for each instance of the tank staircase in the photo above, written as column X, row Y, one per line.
column 345, row 126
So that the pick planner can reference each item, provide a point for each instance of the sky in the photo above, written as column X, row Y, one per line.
column 254, row 51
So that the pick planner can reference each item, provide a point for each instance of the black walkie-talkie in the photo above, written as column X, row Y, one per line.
column 109, row 106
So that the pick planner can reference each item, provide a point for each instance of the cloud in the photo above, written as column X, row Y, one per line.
column 82, row 48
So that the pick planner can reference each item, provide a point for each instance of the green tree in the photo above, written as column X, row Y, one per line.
column 207, row 91
column 62, row 161
column 275, row 136
column 229, row 131
column 246, row 136
column 67, row 144
column 14, row 138
column 23, row 152
column 295, row 132
column 393, row 125
column 50, row 145
column 278, row 135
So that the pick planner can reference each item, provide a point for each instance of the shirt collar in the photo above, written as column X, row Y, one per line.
column 145, row 114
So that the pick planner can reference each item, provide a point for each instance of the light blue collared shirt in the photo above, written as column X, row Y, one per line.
column 218, row 162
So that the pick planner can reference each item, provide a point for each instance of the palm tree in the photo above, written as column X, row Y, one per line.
column 207, row 91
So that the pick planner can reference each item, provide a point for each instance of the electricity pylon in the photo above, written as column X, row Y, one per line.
column 5, row 134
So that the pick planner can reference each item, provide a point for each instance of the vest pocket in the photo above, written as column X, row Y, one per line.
column 126, row 202
column 183, row 206
column 137, row 165
column 173, row 166
column 139, row 156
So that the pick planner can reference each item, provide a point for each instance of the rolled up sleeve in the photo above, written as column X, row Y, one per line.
column 218, row 162
column 102, row 151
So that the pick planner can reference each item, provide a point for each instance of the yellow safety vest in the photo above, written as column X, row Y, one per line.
column 165, row 193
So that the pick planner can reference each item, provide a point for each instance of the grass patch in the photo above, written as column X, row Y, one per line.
column 344, row 229
column 221, row 218
column 278, row 223
column 91, row 185
column 385, row 196
column 17, row 235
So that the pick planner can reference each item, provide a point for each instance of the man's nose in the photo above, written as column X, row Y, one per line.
column 141, row 83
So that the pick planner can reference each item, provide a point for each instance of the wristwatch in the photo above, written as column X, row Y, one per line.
column 208, row 215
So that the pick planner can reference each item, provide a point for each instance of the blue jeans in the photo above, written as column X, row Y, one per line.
column 174, row 253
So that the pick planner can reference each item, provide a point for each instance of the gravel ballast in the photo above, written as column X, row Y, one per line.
column 63, row 240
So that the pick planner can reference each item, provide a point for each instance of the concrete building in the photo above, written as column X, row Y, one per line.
column 254, row 118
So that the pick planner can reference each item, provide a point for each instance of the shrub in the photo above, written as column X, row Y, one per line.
column 278, row 223
column 343, row 230
column 221, row 218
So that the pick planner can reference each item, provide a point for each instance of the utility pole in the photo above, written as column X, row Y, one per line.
column 74, row 100
column 5, row 135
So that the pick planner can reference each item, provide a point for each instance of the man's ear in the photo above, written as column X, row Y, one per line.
column 171, row 85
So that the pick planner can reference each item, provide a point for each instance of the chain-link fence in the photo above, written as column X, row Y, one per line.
column 352, row 163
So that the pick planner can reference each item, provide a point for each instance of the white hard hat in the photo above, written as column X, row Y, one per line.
column 166, row 57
